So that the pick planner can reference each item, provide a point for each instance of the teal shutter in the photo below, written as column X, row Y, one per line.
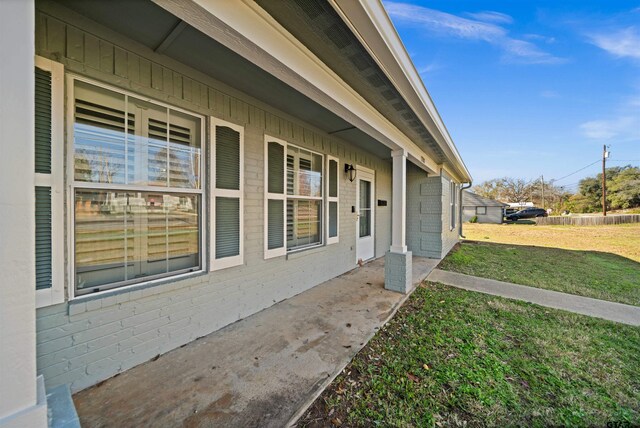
column 42, row 121
column 333, row 178
column 43, row 238
column 227, row 227
column 48, row 177
column 43, row 214
column 275, row 224
column 275, row 168
column 333, row 219
column 227, row 158
column 332, row 200
column 227, row 202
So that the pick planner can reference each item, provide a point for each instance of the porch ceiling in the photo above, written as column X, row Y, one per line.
column 159, row 30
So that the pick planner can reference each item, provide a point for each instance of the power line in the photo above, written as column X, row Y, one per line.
column 624, row 160
column 575, row 172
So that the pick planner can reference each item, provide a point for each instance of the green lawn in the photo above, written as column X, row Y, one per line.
column 452, row 357
column 586, row 273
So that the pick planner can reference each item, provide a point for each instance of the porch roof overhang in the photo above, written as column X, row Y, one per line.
column 246, row 47
column 252, row 32
column 371, row 23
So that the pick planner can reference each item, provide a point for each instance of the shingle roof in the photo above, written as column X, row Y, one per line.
column 471, row 199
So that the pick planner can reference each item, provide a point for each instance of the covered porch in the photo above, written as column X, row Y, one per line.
column 261, row 371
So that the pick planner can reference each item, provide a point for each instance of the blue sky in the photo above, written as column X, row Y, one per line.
column 530, row 88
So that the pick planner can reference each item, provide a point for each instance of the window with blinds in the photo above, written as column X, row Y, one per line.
column 48, row 178
column 294, row 200
column 227, row 195
column 137, row 189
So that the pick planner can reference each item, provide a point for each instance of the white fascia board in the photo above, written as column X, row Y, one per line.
column 370, row 22
column 249, row 26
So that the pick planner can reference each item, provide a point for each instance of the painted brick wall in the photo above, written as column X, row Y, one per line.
column 428, row 214
column 86, row 341
column 449, row 236
column 424, row 213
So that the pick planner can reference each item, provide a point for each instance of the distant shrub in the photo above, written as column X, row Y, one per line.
column 473, row 219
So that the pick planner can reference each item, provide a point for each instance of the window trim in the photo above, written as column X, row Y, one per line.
column 336, row 199
column 71, row 186
column 479, row 213
column 55, row 294
column 217, row 264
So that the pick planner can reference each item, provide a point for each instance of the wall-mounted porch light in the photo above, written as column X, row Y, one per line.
column 351, row 170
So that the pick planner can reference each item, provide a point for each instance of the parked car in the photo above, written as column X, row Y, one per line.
column 530, row 212
column 508, row 211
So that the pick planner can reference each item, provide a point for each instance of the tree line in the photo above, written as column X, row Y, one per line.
column 623, row 191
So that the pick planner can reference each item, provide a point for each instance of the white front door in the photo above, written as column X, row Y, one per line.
column 365, row 209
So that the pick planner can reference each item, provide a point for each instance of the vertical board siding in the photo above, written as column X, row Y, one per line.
column 75, row 44
column 83, row 342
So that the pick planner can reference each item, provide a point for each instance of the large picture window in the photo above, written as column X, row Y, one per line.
column 137, row 189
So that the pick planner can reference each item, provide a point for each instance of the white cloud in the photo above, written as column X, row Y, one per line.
column 540, row 37
column 623, row 128
column 549, row 94
column 491, row 16
column 623, row 43
column 430, row 68
column 446, row 24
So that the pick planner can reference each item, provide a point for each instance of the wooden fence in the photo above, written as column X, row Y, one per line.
column 589, row 220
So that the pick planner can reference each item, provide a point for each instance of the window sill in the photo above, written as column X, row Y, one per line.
column 303, row 252
column 103, row 299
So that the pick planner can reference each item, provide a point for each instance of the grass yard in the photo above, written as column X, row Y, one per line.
column 623, row 239
column 452, row 357
column 594, row 274
column 602, row 262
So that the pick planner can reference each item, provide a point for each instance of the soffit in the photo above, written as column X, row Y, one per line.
column 318, row 26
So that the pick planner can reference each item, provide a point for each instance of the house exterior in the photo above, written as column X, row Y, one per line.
column 194, row 162
column 486, row 210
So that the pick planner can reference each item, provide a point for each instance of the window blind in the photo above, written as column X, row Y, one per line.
column 99, row 139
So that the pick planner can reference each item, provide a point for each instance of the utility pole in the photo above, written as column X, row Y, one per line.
column 542, row 181
column 605, row 155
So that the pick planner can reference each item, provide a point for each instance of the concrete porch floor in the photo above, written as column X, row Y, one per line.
column 261, row 371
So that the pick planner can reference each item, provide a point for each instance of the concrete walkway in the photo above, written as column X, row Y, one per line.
column 619, row 312
column 262, row 371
